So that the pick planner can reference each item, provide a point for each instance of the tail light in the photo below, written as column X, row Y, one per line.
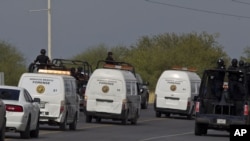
column 197, row 107
column 62, row 106
column 85, row 101
column 245, row 110
column 14, row 108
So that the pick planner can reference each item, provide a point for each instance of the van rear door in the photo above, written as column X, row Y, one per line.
column 105, row 95
column 173, row 93
column 72, row 99
column 49, row 89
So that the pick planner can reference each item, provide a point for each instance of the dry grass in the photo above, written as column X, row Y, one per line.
column 151, row 97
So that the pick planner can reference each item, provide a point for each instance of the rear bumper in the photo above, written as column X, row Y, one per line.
column 16, row 121
column 220, row 122
column 106, row 115
column 174, row 111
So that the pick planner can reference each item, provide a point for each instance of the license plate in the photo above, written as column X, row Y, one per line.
column 221, row 121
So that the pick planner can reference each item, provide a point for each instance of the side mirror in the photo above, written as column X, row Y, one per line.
column 38, row 100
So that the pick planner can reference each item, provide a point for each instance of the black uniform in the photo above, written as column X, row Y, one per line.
column 42, row 59
column 109, row 58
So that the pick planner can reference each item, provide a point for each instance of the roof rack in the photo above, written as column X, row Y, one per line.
column 184, row 68
column 62, row 65
column 115, row 65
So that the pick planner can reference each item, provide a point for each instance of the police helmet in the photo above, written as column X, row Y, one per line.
column 43, row 51
column 241, row 63
column 220, row 62
column 110, row 53
column 234, row 62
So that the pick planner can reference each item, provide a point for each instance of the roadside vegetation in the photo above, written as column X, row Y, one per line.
column 150, row 55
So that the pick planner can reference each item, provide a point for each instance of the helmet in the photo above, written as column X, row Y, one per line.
column 241, row 63
column 220, row 62
column 234, row 62
column 110, row 53
column 43, row 51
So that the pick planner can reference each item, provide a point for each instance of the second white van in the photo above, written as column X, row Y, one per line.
column 175, row 91
column 59, row 104
column 112, row 93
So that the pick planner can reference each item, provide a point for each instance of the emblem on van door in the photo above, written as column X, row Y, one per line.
column 40, row 89
column 173, row 87
column 105, row 89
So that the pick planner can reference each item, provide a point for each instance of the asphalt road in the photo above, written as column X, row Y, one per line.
column 149, row 128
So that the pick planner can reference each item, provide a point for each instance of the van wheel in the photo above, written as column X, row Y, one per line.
column 125, row 118
column 72, row 126
column 200, row 129
column 35, row 133
column 98, row 119
column 88, row 118
column 158, row 114
column 63, row 125
column 167, row 114
column 2, row 132
column 144, row 105
column 134, row 120
column 190, row 115
column 26, row 134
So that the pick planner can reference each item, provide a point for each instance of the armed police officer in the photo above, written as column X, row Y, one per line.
column 43, row 59
column 109, row 59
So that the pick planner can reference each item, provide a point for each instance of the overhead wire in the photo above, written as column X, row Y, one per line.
column 237, row 1
column 200, row 10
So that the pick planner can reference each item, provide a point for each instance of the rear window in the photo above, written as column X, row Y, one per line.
column 9, row 94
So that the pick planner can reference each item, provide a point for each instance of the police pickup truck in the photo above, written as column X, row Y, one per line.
column 223, row 99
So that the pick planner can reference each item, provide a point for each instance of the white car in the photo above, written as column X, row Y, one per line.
column 2, row 120
column 22, row 112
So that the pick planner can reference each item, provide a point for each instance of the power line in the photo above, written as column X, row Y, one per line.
column 200, row 10
column 237, row 1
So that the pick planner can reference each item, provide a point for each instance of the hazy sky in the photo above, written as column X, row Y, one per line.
column 80, row 24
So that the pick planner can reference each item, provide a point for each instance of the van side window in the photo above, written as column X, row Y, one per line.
column 133, row 87
column 67, row 87
column 128, row 88
column 73, row 83
column 193, row 87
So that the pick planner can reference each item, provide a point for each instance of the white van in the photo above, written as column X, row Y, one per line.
column 175, row 91
column 112, row 93
column 59, row 104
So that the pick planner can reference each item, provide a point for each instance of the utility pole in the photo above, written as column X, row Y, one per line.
column 49, row 26
column 49, row 29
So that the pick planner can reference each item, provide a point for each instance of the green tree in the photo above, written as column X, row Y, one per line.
column 246, row 54
column 12, row 63
column 152, row 55
column 95, row 53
